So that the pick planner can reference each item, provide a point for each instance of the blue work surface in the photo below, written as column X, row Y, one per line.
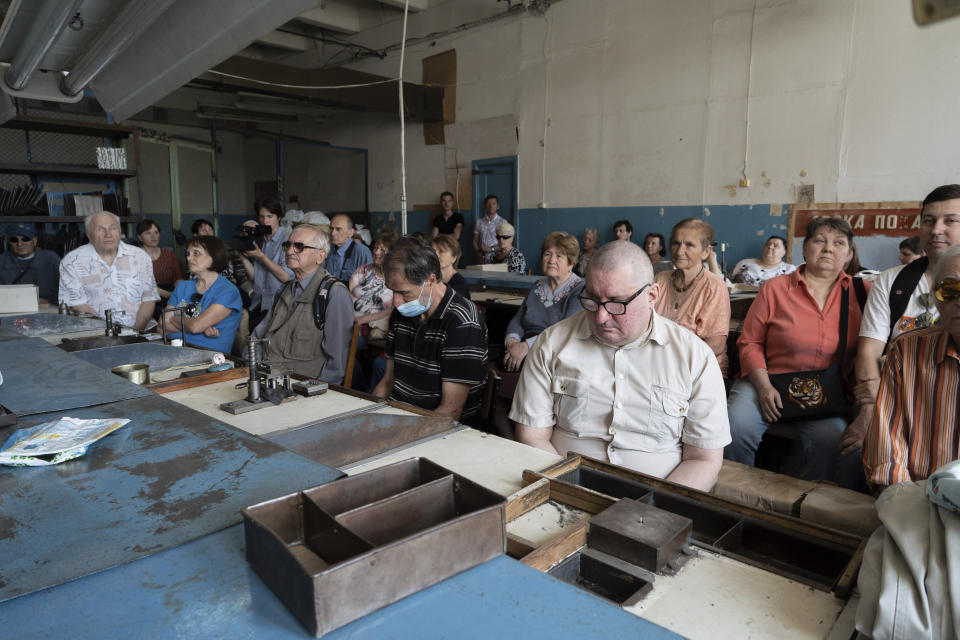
column 157, row 356
column 171, row 475
column 205, row 589
column 38, row 378
column 9, row 334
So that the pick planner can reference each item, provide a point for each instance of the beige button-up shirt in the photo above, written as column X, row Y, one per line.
column 632, row 405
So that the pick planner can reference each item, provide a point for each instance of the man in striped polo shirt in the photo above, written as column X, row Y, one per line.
column 437, row 342
column 916, row 426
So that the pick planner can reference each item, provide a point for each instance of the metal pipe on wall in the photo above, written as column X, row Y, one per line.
column 51, row 19
column 135, row 17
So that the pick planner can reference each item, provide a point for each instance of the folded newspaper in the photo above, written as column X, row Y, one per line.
column 55, row 442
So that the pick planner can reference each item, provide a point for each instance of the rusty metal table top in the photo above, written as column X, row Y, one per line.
column 39, row 378
column 170, row 476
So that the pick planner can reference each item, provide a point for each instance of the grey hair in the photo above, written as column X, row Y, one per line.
column 945, row 257
column 89, row 219
column 321, row 239
column 623, row 255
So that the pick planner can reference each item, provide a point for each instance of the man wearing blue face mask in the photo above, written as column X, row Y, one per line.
column 437, row 342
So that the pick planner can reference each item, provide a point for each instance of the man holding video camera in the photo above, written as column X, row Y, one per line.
column 265, row 256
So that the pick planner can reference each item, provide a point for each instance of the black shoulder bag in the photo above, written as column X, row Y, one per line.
column 812, row 395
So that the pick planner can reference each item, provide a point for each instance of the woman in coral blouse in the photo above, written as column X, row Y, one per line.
column 794, row 326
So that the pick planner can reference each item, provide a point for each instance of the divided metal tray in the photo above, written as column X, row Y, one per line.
column 340, row 551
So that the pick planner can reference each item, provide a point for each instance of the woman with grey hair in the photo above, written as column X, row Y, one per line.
column 506, row 252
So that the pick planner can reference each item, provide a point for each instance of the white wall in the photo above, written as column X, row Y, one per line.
column 659, row 102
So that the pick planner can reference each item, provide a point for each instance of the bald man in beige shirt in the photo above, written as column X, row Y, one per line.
column 619, row 383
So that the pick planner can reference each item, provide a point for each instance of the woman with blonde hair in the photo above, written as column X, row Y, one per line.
column 506, row 252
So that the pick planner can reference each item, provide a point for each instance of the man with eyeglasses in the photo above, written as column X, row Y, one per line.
column 916, row 426
column 901, row 300
column 310, row 323
column 24, row 263
column 617, row 382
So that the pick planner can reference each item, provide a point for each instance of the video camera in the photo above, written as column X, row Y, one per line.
column 249, row 237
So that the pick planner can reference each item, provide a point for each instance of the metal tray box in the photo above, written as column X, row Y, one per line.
column 340, row 551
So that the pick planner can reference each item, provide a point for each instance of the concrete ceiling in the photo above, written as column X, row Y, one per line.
column 158, row 54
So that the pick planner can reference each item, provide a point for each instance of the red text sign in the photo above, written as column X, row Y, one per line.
column 897, row 223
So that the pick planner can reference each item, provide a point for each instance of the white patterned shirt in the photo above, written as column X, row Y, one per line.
column 487, row 230
column 121, row 287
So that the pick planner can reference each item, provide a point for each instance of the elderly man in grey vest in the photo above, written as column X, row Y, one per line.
column 312, row 346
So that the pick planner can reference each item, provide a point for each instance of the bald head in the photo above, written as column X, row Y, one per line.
column 624, row 257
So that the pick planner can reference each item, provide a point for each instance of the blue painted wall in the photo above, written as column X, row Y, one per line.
column 744, row 228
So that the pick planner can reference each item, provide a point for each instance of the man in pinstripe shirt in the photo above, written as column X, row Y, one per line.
column 437, row 342
column 916, row 426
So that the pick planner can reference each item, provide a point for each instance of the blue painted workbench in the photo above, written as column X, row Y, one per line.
column 205, row 589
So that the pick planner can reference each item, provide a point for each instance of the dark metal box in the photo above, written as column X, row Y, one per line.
column 340, row 551
column 639, row 533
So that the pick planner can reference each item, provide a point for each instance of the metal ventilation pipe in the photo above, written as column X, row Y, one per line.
column 136, row 16
column 51, row 19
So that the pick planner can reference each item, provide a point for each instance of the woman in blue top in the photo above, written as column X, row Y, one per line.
column 211, row 302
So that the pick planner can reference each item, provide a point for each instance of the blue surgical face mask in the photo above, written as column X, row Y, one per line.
column 416, row 308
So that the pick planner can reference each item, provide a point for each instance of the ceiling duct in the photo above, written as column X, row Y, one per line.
column 50, row 20
column 188, row 39
column 132, row 21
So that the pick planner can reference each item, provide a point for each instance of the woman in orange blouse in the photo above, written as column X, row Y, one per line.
column 794, row 325
column 690, row 295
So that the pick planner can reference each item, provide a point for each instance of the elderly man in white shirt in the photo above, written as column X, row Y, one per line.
column 109, row 274
column 619, row 383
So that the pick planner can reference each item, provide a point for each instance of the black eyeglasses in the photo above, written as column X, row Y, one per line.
column 947, row 289
column 297, row 246
column 504, row 237
column 613, row 307
column 19, row 239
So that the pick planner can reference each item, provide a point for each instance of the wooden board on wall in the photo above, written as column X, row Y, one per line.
column 441, row 70
column 867, row 219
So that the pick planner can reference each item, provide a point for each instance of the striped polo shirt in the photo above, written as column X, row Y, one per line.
column 451, row 346
column 915, row 426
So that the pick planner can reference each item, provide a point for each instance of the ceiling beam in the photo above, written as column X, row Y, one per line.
column 191, row 37
column 421, row 102
column 342, row 18
column 416, row 6
column 286, row 41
